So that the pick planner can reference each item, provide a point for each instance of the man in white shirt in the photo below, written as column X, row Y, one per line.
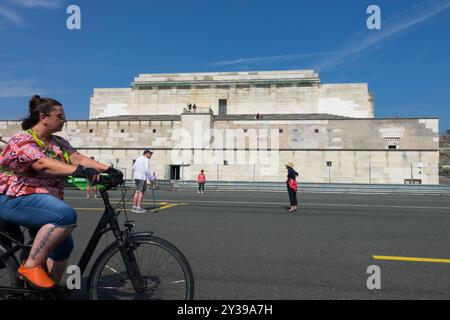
column 141, row 173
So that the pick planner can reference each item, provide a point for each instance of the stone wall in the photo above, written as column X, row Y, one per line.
column 357, row 149
column 111, row 102
column 275, row 92
column 361, row 134
column 346, row 166
column 350, row 100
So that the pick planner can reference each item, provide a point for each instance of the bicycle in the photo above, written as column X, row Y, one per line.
column 135, row 266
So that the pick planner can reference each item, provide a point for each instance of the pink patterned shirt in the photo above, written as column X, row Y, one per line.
column 18, row 156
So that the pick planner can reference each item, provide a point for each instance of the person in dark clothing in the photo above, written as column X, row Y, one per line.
column 291, row 183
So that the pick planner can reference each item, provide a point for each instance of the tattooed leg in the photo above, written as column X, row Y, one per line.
column 46, row 240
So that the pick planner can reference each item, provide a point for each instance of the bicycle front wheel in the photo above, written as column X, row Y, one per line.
column 165, row 271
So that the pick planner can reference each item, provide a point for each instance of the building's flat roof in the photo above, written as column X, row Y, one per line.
column 236, row 117
column 312, row 116
column 291, row 77
column 168, row 117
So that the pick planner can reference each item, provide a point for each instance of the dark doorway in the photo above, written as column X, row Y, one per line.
column 174, row 172
column 222, row 106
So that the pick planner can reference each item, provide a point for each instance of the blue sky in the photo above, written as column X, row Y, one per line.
column 406, row 63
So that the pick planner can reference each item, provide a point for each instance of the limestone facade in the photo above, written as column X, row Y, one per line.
column 270, row 92
column 327, row 130
column 256, row 150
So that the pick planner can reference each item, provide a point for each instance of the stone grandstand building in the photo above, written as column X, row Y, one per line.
column 245, row 126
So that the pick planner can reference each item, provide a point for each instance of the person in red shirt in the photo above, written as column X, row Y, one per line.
column 33, row 167
column 201, row 179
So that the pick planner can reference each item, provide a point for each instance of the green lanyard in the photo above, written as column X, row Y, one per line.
column 46, row 150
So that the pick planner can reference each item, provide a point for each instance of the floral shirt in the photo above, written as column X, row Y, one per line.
column 18, row 156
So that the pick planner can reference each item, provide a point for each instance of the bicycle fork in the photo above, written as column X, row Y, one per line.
column 137, row 279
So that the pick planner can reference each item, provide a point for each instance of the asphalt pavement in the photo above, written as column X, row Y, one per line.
column 245, row 245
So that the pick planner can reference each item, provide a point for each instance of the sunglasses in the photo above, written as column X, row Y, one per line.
column 59, row 116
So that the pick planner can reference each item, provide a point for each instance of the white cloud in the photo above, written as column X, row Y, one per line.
column 10, row 16
column 258, row 60
column 104, row 54
column 49, row 4
column 14, row 89
column 369, row 40
column 376, row 39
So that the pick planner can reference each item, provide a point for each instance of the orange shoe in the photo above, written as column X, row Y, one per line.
column 36, row 276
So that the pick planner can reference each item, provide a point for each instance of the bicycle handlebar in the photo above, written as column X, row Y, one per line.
column 108, row 181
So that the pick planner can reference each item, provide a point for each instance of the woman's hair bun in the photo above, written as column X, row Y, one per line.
column 34, row 102
column 37, row 106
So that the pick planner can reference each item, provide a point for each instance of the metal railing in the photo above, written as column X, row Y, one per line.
column 173, row 185
column 159, row 185
column 197, row 110
column 443, row 190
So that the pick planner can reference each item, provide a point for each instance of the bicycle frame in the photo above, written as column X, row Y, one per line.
column 108, row 222
column 108, row 217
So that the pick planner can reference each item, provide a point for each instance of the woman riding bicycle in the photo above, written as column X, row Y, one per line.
column 33, row 166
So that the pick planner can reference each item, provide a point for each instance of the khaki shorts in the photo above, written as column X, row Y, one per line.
column 140, row 185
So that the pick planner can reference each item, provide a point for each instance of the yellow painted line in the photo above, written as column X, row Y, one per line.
column 165, row 206
column 413, row 259
column 115, row 201
column 170, row 205
column 89, row 209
